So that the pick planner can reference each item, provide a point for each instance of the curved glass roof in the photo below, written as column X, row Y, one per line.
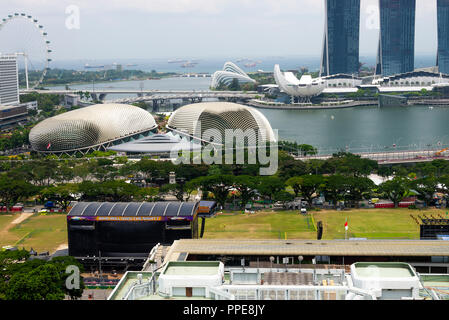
column 139, row 209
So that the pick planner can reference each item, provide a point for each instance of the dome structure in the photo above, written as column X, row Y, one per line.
column 306, row 87
column 91, row 128
column 193, row 120
column 230, row 72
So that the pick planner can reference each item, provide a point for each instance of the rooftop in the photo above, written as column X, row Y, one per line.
column 405, row 248
column 191, row 268
column 384, row 270
column 158, row 143
column 133, row 209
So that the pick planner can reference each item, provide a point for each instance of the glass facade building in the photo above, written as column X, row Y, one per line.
column 443, row 36
column 396, row 53
column 341, row 37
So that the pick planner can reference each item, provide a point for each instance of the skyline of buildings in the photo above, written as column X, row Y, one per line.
column 396, row 47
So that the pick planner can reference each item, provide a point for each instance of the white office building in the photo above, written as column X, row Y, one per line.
column 9, row 80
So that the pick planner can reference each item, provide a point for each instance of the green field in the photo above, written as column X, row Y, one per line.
column 372, row 224
column 42, row 233
column 262, row 225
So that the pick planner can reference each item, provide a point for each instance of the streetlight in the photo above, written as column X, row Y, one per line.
column 300, row 258
column 271, row 265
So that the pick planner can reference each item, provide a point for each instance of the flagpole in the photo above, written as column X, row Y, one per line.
column 346, row 229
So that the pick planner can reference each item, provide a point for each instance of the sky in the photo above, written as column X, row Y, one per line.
column 142, row 29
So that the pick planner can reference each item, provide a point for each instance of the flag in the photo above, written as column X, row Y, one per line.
column 48, row 146
column 346, row 225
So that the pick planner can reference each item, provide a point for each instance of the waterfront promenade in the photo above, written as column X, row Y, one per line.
column 392, row 157
column 278, row 106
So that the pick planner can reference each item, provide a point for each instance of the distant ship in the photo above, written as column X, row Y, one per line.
column 132, row 65
column 87, row 66
column 189, row 64
column 177, row 61
column 250, row 65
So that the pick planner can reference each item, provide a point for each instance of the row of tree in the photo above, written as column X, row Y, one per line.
column 342, row 177
column 25, row 279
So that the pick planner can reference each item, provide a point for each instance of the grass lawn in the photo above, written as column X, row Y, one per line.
column 42, row 233
column 261, row 225
column 7, row 238
column 363, row 223
column 371, row 224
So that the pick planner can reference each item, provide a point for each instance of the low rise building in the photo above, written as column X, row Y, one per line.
column 190, row 279
column 11, row 116
column 71, row 100
column 211, row 280
column 31, row 105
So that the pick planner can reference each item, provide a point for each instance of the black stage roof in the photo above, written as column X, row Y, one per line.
column 134, row 209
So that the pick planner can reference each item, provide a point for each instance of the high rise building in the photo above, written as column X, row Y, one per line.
column 9, row 80
column 396, row 52
column 341, row 37
column 443, row 36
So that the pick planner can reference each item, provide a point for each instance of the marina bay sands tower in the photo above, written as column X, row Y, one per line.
column 341, row 37
column 396, row 51
column 443, row 36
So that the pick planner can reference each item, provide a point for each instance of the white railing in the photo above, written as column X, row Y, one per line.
column 252, row 292
column 138, row 291
column 218, row 294
column 151, row 257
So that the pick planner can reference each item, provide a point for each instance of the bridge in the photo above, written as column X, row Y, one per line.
column 156, row 97
column 193, row 97
column 101, row 93
column 392, row 157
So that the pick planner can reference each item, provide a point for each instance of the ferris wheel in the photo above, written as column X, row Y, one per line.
column 22, row 35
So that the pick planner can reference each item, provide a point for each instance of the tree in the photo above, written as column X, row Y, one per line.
column 349, row 164
column 41, row 283
column 246, row 186
column 176, row 189
column 110, row 190
column 234, row 86
column 358, row 187
column 61, row 194
column 298, row 149
column 426, row 188
column 62, row 263
column 396, row 189
column 306, row 185
column 149, row 194
column 289, row 167
column 12, row 190
column 335, row 188
column 283, row 197
column 219, row 185
column 268, row 186
column 189, row 188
